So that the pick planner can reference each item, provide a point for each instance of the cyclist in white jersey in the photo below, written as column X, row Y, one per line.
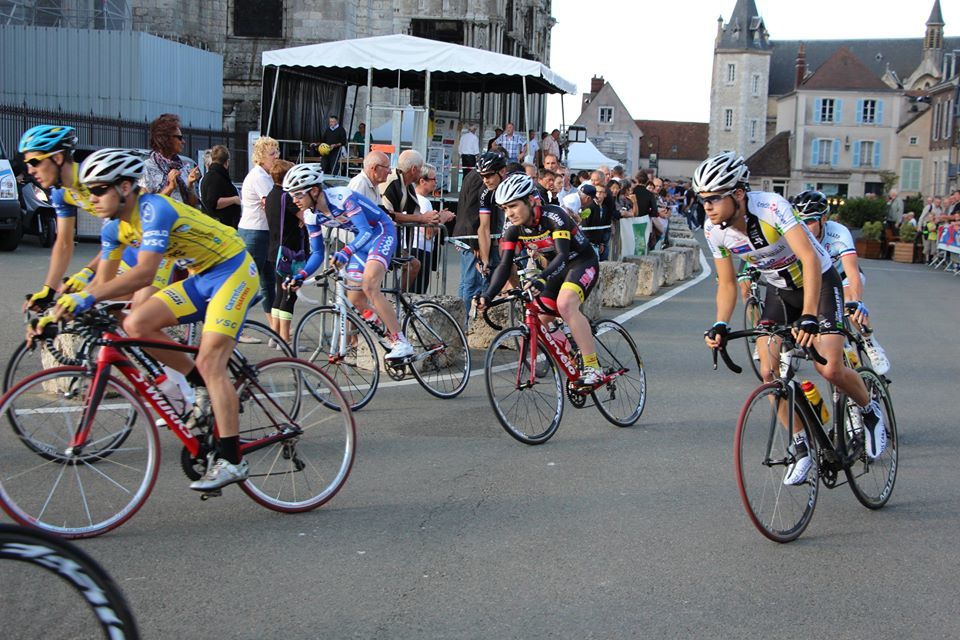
column 803, row 288
column 836, row 239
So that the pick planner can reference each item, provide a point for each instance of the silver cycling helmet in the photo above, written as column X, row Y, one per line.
column 722, row 172
column 303, row 176
column 516, row 186
column 108, row 166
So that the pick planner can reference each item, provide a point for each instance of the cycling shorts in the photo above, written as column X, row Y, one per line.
column 784, row 306
column 220, row 296
column 165, row 272
column 380, row 248
column 580, row 277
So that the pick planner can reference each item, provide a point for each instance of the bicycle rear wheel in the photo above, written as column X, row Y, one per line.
column 75, row 492
column 872, row 480
column 763, row 450
column 302, row 472
column 87, row 602
column 441, row 363
column 353, row 365
column 752, row 311
column 529, row 405
column 621, row 401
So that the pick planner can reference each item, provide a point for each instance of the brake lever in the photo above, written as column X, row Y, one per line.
column 815, row 355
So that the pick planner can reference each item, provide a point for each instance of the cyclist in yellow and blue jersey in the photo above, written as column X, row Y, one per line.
column 222, row 282
column 803, row 288
column 48, row 153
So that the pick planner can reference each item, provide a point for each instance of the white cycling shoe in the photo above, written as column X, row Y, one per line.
column 220, row 474
column 401, row 350
column 875, row 431
column 878, row 358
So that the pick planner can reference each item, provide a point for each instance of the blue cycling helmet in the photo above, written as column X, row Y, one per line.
column 47, row 137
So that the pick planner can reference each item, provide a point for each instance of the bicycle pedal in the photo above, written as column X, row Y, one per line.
column 213, row 493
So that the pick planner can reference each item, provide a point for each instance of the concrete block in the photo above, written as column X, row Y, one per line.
column 619, row 283
column 688, row 259
column 649, row 273
column 672, row 266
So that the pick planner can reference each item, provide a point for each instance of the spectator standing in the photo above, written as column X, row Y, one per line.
column 286, row 231
column 360, row 135
column 646, row 200
column 399, row 198
column 376, row 169
column 492, row 143
column 531, row 148
column 163, row 171
column 336, row 137
column 253, row 226
column 551, row 146
column 512, row 142
column 469, row 148
column 546, row 183
column 219, row 197
column 467, row 224
column 551, row 162
column 602, row 215
column 424, row 241
column 894, row 208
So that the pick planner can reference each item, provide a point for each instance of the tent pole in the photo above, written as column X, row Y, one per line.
column 426, row 104
column 481, row 133
column 366, row 137
column 353, row 112
column 273, row 100
column 526, row 115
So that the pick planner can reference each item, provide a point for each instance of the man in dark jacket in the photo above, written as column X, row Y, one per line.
column 218, row 196
column 336, row 137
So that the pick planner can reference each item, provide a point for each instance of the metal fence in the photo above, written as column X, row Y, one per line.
column 98, row 132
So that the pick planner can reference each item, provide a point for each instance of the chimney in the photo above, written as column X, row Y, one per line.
column 801, row 65
column 596, row 83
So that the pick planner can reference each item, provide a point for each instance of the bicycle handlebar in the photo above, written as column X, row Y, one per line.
column 786, row 333
column 505, row 297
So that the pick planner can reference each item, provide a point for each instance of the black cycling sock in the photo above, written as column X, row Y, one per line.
column 230, row 449
column 195, row 378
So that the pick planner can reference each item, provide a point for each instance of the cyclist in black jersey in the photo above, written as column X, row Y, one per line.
column 569, row 276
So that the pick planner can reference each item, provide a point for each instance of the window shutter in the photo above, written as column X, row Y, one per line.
column 815, row 152
column 817, row 105
column 876, row 154
column 878, row 118
column 856, row 153
column 835, row 159
column 838, row 110
column 859, row 111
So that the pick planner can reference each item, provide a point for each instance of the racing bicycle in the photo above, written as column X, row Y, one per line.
column 764, row 449
column 83, row 454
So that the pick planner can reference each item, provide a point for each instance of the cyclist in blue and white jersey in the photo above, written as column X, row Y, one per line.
column 365, row 259
column 836, row 239
column 803, row 288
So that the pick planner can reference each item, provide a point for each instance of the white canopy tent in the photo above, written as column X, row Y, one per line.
column 410, row 62
column 584, row 155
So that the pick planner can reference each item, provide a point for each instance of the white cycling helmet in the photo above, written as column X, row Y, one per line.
column 516, row 186
column 303, row 176
column 108, row 166
column 722, row 172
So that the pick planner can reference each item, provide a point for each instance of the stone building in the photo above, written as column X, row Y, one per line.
column 241, row 30
column 837, row 108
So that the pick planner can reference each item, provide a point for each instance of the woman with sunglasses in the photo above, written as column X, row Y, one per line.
column 803, row 288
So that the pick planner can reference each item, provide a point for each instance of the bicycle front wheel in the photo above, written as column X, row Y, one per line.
column 87, row 602
column 69, row 490
column 621, row 401
column 763, row 452
column 441, row 361
column 300, row 451
column 258, row 342
column 345, row 352
column 528, row 403
column 872, row 480
column 752, row 312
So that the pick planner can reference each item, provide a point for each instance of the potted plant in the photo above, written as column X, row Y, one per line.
column 903, row 251
column 868, row 244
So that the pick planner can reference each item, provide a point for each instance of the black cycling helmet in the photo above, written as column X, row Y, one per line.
column 811, row 205
column 490, row 162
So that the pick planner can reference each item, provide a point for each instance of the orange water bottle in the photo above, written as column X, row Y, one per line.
column 816, row 402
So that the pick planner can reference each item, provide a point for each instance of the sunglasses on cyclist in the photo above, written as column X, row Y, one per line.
column 300, row 195
column 35, row 161
column 714, row 199
column 99, row 190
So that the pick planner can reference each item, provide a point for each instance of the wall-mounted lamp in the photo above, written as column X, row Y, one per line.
column 846, row 143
